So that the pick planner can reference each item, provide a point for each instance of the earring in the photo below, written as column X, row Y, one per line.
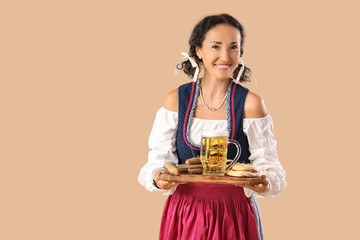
column 241, row 62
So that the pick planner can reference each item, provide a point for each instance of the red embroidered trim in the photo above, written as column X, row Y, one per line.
column 233, row 112
column 188, row 109
column 186, row 118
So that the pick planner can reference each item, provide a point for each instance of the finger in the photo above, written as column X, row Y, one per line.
column 166, row 185
column 264, row 188
column 250, row 187
column 171, row 184
column 257, row 188
column 265, row 182
column 264, row 179
column 174, row 184
column 157, row 176
column 162, row 184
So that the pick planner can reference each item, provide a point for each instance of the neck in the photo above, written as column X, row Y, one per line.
column 213, row 88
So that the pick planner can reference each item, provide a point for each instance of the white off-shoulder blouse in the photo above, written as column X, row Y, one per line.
column 262, row 147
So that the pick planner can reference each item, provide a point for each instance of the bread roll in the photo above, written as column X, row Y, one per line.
column 244, row 167
column 171, row 168
column 242, row 173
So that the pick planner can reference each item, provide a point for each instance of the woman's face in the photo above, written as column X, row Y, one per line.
column 220, row 51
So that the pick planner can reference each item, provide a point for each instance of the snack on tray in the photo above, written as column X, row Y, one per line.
column 171, row 168
column 243, row 170
column 244, row 167
column 191, row 166
column 195, row 160
column 195, row 170
column 242, row 173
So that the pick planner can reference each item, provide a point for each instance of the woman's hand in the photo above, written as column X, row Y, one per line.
column 260, row 188
column 164, row 184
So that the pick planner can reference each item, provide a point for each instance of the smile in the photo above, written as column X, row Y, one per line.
column 223, row 67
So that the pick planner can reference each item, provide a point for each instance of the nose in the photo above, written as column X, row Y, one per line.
column 224, row 55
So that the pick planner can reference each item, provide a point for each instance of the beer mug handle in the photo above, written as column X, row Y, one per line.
column 238, row 148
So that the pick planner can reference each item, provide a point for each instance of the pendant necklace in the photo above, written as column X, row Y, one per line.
column 211, row 109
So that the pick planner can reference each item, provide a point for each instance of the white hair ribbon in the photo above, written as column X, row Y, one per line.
column 193, row 64
column 241, row 70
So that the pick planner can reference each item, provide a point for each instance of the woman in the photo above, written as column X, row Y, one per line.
column 204, row 210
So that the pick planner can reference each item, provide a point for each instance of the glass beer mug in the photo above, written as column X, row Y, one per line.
column 213, row 153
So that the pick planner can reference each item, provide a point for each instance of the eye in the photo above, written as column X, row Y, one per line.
column 215, row 47
column 234, row 47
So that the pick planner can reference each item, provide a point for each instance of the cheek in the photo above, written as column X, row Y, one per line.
column 208, row 62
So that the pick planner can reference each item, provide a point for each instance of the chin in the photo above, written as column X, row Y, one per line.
column 223, row 77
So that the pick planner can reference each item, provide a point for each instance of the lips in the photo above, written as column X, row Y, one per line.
column 223, row 66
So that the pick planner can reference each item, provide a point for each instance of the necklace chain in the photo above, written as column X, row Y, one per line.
column 211, row 109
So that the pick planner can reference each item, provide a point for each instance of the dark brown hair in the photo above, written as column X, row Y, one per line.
column 198, row 35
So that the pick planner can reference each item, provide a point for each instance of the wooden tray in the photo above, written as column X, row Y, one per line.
column 199, row 178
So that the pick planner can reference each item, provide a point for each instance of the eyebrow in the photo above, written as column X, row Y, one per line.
column 221, row 42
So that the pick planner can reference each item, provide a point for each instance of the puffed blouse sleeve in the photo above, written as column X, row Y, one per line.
column 162, row 148
column 263, row 155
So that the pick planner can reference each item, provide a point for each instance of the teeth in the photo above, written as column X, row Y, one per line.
column 222, row 66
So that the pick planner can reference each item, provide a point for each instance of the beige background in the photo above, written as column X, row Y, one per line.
column 81, row 82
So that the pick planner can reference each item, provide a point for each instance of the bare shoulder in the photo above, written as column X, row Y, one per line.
column 255, row 106
column 171, row 101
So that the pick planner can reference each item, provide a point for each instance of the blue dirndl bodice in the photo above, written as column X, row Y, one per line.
column 235, row 103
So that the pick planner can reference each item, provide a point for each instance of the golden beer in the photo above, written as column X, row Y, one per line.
column 214, row 155
column 213, row 152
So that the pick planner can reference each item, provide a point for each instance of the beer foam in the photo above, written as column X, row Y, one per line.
column 214, row 133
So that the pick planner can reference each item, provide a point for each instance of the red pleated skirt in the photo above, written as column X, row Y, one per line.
column 208, row 211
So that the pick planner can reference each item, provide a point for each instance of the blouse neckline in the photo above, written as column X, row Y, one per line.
column 219, row 120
